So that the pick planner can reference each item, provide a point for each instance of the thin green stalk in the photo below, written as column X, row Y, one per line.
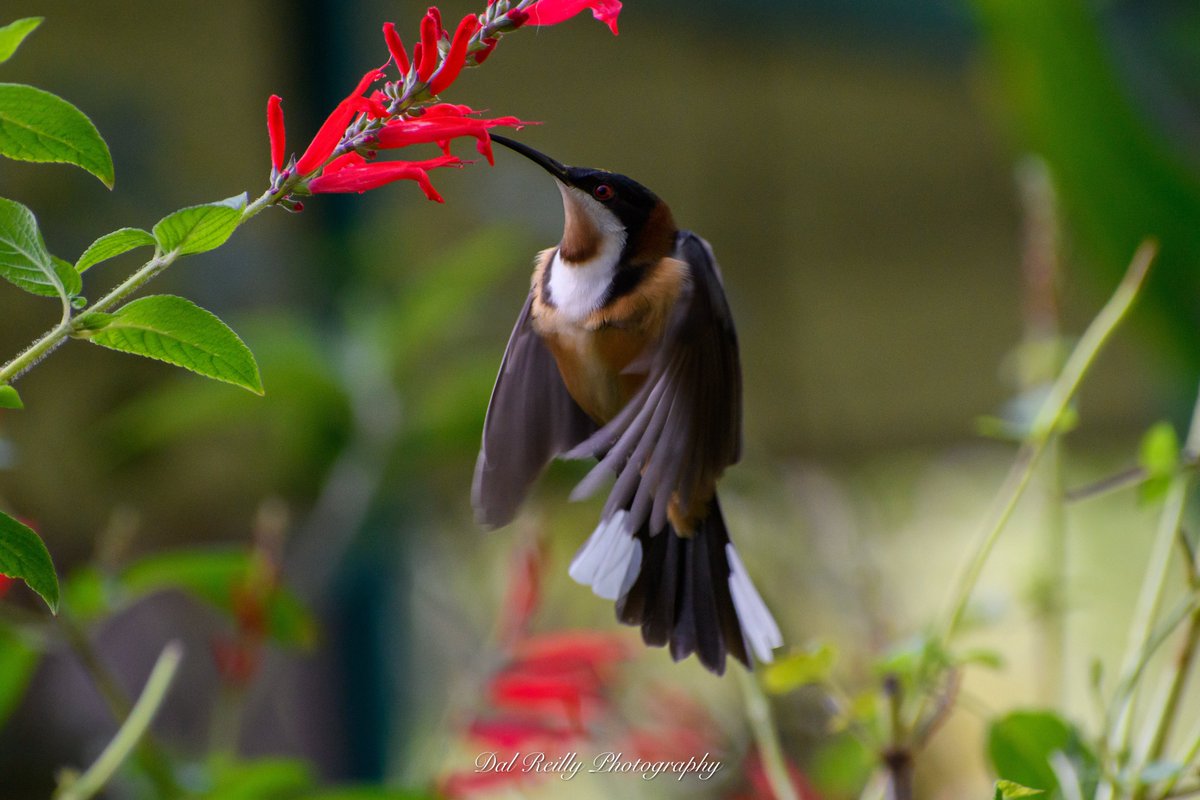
column 1044, row 426
column 1043, row 429
column 130, row 734
column 1149, row 605
column 758, row 710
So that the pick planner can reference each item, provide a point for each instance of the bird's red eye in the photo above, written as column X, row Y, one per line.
column 603, row 192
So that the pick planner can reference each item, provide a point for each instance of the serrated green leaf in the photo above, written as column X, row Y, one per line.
column 24, row 556
column 12, row 34
column 38, row 126
column 1010, row 790
column 1158, row 452
column 198, row 229
column 179, row 332
column 111, row 245
column 24, row 260
column 10, row 399
column 799, row 669
column 18, row 660
column 214, row 576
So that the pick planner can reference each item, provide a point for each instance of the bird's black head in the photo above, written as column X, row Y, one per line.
column 600, row 205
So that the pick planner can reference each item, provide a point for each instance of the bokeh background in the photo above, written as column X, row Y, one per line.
column 869, row 174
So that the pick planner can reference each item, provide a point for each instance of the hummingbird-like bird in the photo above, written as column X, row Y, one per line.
column 625, row 351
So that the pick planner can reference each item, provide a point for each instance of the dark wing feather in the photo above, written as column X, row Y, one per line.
column 531, row 419
column 684, row 426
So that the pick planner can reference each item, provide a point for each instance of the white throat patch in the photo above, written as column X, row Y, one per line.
column 579, row 288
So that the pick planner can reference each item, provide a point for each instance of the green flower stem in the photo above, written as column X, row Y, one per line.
column 130, row 734
column 758, row 710
column 1147, row 611
column 1044, row 427
column 151, row 757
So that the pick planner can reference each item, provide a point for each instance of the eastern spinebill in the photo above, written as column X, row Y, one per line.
column 625, row 351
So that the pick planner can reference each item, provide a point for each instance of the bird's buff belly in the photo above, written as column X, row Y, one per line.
column 593, row 365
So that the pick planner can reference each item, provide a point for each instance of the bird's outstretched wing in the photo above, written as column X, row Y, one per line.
column 684, row 426
column 531, row 419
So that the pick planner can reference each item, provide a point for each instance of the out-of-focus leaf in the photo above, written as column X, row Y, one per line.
column 86, row 595
column 992, row 659
column 799, row 669
column 841, row 767
column 264, row 779
column 38, row 126
column 1158, row 453
column 1020, row 747
column 9, row 398
column 12, row 34
column 179, row 332
column 111, row 245
column 1119, row 179
column 24, row 556
column 1010, row 790
column 198, row 229
column 18, row 660
column 214, row 576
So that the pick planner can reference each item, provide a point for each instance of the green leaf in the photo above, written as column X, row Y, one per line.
column 87, row 594
column 799, row 669
column 1158, row 453
column 1021, row 745
column 198, row 229
column 70, row 279
column 18, row 660
column 22, row 555
column 179, row 332
column 264, row 779
column 1010, row 790
column 24, row 260
column 12, row 34
column 214, row 576
column 9, row 398
column 111, row 245
column 42, row 127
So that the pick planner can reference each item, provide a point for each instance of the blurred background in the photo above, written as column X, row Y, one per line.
column 883, row 184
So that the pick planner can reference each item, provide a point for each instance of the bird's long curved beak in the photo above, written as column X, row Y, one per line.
column 541, row 159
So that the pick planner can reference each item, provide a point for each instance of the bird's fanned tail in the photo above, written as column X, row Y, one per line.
column 689, row 593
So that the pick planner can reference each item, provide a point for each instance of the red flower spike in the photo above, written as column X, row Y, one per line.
column 429, row 48
column 347, row 160
column 457, row 55
column 275, row 131
column 364, row 177
column 331, row 131
column 395, row 46
column 552, row 12
column 482, row 55
column 442, row 127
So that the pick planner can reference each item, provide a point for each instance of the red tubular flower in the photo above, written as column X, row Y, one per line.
column 482, row 55
column 552, row 12
column 430, row 33
column 331, row 131
column 441, row 127
column 275, row 131
column 395, row 46
column 362, row 177
column 457, row 55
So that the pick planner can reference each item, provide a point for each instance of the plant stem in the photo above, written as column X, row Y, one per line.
column 1044, row 426
column 758, row 710
column 151, row 756
column 131, row 732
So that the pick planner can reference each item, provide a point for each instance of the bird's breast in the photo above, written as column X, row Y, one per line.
column 604, row 356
